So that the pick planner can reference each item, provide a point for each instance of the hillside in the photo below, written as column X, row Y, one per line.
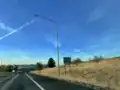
column 104, row 73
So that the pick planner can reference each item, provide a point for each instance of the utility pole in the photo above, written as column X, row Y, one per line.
column 58, row 51
column 57, row 38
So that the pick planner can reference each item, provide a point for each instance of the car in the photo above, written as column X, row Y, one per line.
column 19, row 71
column 13, row 70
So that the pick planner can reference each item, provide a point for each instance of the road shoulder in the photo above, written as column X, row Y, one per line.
column 9, row 83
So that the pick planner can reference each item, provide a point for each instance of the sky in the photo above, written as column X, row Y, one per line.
column 85, row 28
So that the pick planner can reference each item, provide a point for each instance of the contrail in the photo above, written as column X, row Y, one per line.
column 16, row 30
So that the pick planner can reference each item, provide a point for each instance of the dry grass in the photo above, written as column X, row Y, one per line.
column 104, row 73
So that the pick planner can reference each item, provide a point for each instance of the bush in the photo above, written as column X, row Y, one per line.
column 9, row 68
column 77, row 61
column 6, row 68
column 51, row 63
column 97, row 59
column 39, row 66
column 2, row 68
column 15, row 67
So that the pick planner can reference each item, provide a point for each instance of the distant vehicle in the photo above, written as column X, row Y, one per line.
column 13, row 70
column 19, row 71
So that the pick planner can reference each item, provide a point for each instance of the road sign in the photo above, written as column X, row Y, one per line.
column 67, row 60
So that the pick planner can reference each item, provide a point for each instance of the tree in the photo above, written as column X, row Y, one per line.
column 9, row 68
column 97, row 58
column 2, row 68
column 39, row 66
column 77, row 61
column 15, row 67
column 101, row 57
column 51, row 63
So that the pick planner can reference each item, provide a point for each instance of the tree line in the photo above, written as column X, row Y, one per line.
column 51, row 62
column 8, row 68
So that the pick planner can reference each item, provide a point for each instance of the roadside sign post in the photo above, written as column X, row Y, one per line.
column 65, row 69
column 67, row 61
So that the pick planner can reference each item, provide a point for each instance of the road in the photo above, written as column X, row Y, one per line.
column 4, row 77
column 34, row 82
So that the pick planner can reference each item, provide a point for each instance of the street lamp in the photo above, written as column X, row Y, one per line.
column 57, row 37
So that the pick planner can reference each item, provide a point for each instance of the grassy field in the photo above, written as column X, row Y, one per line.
column 103, row 73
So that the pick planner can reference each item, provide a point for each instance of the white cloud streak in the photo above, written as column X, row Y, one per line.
column 5, row 27
column 96, row 14
column 15, row 30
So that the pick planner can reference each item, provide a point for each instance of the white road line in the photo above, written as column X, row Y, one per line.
column 38, row 85
column 7, row 85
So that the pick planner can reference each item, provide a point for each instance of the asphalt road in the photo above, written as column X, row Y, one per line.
column 4, row 77
column 54, row 84
column 22, row 82
column 34, row 82
column 5, row 74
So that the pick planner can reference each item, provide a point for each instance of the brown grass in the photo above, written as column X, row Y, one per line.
column 104, row 73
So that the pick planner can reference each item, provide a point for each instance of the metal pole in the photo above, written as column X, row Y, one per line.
column 58, row 53
column 57, row 39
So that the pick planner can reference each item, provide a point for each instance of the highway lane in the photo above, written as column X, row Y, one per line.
column 34, row 82
column 4, row 77
column 54, row 84
column 23, row 83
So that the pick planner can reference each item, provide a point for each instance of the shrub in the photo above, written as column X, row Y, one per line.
column 39, row 66
column 97, row 59
column 77, row 61
column 51, row 63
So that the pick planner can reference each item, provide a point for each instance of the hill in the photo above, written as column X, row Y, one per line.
column 105, row 73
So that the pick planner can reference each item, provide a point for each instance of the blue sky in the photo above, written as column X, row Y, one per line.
column 86, row 28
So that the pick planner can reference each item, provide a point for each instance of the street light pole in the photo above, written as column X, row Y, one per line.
column 58, row 51
column 57, row 38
